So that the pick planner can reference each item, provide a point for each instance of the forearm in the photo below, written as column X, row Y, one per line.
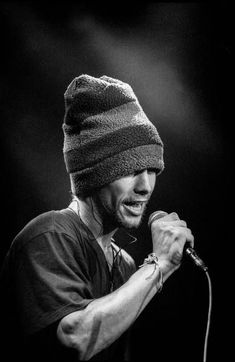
column 106, row 318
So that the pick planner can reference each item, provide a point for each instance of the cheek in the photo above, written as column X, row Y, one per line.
column 119, row 189
column 110, row 197
column 152, row 180
column 116, row 197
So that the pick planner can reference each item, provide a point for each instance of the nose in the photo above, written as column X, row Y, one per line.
column 144, row 182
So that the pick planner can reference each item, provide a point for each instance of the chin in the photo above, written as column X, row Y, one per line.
column 129, row 223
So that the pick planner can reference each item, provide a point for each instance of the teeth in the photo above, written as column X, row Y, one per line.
column 134, row 204
column 135, row 207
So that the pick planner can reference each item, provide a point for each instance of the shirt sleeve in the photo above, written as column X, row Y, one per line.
column 52, row 280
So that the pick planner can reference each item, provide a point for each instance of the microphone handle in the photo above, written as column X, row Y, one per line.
column 195, row 258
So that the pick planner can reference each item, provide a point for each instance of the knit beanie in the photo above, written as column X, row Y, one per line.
column 106, row 134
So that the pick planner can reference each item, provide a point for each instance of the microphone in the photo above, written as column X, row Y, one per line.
column 190, row 252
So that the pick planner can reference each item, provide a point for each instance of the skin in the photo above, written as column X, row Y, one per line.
column 124, row 200
column 97, row 326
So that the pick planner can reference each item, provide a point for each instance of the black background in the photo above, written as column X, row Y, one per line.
column 178, row 59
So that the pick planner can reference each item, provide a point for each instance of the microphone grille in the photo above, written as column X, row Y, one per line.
column 156, row 215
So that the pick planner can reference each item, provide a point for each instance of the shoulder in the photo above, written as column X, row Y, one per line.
column 55, row 223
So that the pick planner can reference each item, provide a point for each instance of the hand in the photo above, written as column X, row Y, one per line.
column 169, row 235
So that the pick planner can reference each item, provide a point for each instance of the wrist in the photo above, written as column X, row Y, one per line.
column 153, row 259
column 167, row 268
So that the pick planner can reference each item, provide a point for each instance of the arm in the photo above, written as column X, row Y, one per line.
column 105, row 319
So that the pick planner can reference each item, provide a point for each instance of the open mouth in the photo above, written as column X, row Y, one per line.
column 134, row 207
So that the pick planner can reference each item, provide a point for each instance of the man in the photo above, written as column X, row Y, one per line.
column 72, row 293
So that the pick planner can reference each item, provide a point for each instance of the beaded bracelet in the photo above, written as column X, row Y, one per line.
column 153, row 259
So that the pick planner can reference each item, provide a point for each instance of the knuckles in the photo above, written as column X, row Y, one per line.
column 174, row 215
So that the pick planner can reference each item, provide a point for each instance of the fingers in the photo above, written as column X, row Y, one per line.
column 169, row 236
column 171, row 217
column 189, row 237
column 174, row 229
column 174, row 223
column 174, row 243
column 183, row 235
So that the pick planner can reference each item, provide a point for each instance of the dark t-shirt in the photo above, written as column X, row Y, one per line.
column 55, row 267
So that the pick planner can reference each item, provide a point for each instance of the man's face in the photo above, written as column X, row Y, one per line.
column 122, row 203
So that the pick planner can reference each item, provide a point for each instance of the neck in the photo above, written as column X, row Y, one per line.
column 89, row 214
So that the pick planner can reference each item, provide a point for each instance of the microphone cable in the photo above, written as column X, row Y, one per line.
column 208, row 316
column 190, row 252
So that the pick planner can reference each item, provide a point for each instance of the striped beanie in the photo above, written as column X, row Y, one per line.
column 106, row 134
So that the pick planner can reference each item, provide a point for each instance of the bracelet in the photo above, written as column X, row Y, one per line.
column 153, row 259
